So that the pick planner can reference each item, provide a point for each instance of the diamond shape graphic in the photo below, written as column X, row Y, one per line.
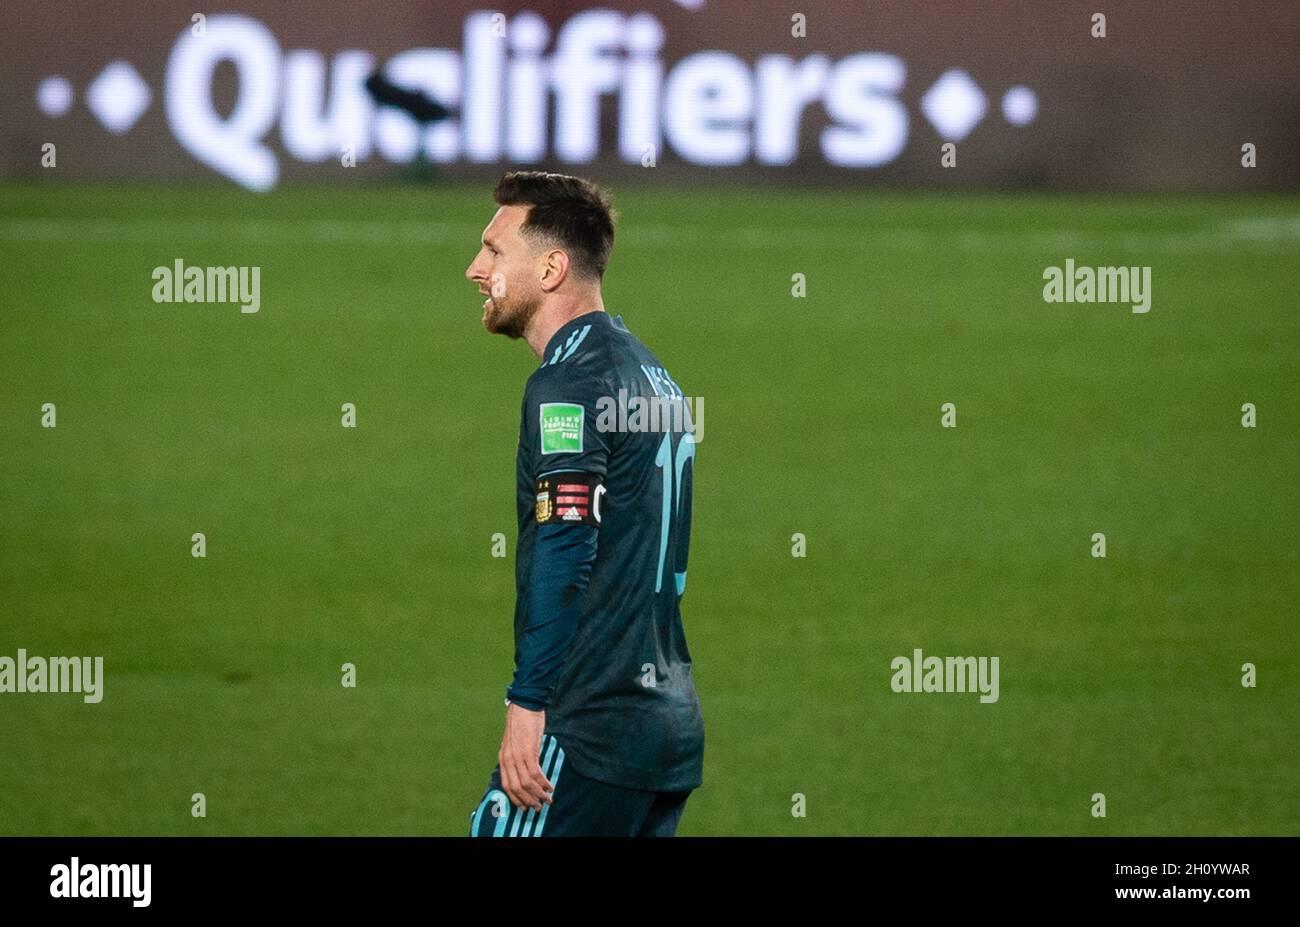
column 954, row 105
column 118, row 97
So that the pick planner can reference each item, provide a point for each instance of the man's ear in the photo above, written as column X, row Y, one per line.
column 555, row 268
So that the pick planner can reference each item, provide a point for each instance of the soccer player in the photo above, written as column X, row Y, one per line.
column 603, row 731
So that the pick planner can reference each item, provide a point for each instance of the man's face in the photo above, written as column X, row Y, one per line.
column 506, row 272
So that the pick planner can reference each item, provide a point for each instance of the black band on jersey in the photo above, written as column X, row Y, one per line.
column 569, row 498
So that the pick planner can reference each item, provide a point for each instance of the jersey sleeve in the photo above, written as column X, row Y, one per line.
column 568, row 449
column 557, row 590
column 562, row 424
column 568, row 455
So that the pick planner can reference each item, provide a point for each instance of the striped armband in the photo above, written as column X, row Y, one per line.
column 569, row 498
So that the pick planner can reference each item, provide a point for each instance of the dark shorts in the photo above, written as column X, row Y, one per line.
column 582, row 807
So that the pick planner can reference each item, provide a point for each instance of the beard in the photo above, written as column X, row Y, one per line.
column 509, row 317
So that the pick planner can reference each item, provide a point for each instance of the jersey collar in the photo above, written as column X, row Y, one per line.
column 569, row 327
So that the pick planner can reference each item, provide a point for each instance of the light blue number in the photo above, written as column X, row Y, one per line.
column 685, row 452
column 663, row 459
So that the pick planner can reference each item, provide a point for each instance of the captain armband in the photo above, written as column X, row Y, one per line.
column 569, row 498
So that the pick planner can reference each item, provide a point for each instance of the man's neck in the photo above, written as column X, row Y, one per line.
column 550, row 319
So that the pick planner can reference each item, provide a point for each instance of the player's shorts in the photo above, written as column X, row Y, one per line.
column 581, row 807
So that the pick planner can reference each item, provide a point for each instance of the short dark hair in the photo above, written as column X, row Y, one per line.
column 570, row 211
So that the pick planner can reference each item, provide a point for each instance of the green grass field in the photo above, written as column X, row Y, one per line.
column 373, row 545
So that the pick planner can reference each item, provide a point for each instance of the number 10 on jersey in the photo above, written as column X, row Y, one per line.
column 677, row 486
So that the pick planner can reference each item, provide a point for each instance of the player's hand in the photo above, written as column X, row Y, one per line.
column 521, row 773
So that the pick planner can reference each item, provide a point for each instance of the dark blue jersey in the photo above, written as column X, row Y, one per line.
column 605, row 466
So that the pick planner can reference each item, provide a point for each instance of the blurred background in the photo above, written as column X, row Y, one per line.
column 348, row 152
column 842, row 93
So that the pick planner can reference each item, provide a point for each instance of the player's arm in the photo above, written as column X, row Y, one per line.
column 570, row 457
column 557, row 590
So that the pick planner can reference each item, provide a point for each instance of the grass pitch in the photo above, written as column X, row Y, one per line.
column 372, row 545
